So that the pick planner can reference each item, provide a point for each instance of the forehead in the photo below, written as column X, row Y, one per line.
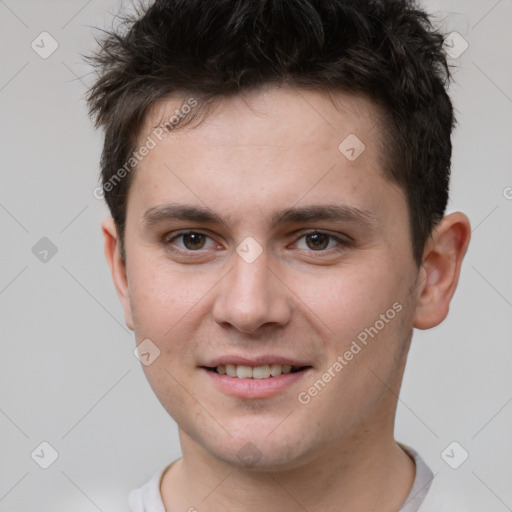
column 321, row 114
column 271, row 147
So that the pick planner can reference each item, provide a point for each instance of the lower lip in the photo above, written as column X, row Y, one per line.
column 255, row 388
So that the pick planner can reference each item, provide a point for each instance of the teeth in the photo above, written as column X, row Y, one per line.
column 261, row 372
column 243, row 372
column 230, row 370
column 256, row 372
column 275, row 370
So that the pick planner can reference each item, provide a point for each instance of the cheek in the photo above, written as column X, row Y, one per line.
column 352, row 298
column 165, row 309
column 158, row 297
column 368, row 313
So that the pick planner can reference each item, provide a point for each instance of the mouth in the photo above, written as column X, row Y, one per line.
column 255, row 372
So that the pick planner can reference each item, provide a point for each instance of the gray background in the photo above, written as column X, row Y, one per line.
column 68, row 375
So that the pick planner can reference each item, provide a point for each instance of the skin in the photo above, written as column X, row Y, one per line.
column 271, row 149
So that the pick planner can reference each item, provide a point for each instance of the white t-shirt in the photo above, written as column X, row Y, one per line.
column 428, row 493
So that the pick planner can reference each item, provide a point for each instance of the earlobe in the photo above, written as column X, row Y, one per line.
column 117, row 267
column 440, row 270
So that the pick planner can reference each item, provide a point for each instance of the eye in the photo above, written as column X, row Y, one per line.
column 319, row 241
column 314, row 241
column 192, row 241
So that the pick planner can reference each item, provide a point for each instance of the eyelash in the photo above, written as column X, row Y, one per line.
column 343, row 243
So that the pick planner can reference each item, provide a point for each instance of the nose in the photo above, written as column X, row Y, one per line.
column 251, row 296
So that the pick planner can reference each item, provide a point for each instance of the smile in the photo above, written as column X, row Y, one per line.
column 254, row 382
column 255, row 372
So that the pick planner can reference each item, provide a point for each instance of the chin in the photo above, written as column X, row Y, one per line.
column 259, row 453
column 250, row 458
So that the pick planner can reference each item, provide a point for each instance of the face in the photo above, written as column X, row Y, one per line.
column 264, row 238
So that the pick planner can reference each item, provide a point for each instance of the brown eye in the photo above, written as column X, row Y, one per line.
column 318, row 241
column 191, row 241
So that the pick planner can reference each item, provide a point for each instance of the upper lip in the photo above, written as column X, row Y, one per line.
column 254, row 361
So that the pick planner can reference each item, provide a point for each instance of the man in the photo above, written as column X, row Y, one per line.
column 277, row 173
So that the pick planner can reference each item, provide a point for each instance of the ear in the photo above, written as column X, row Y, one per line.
column 117, row 267
column 440, row 269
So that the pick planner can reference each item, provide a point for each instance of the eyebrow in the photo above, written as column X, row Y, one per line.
column 324, row 212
